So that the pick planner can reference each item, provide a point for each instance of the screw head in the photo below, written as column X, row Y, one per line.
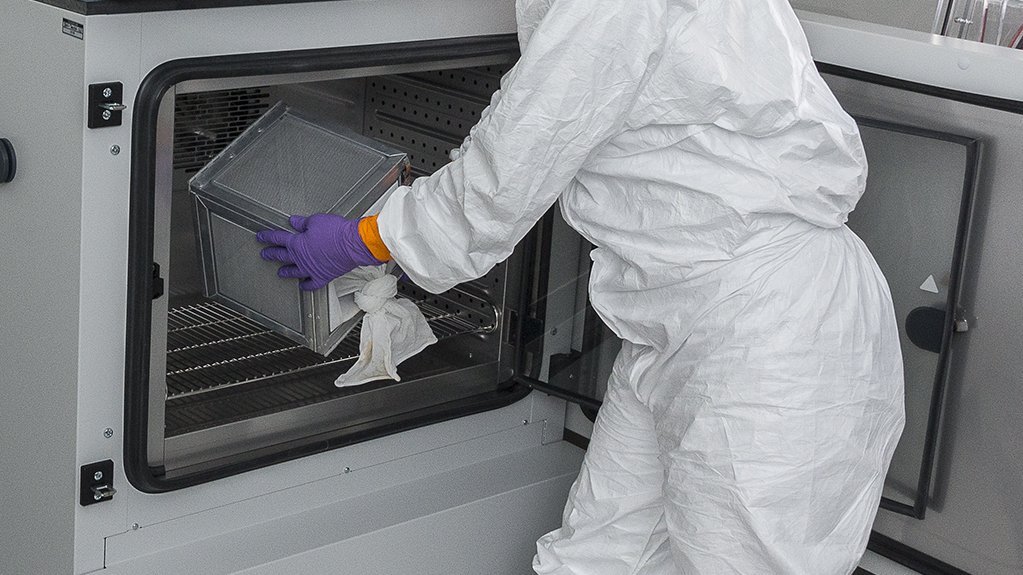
column 135, row 526
column 106, row 114
column 525, row 422
column 107, row 92
column 97, row 497
column 554, row 331
column 115, row 149
column 108, row 433
column 97, row 476
column 347, row 470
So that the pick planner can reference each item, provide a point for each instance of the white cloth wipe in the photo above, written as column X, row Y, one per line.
column 393, row 329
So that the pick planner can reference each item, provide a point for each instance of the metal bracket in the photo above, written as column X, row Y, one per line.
column 96, row 483
column 105, row 105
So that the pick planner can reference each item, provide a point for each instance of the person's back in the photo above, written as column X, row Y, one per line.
column 734, row 143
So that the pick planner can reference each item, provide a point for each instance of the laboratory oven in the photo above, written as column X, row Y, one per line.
column 147, row 428
column 183, row 435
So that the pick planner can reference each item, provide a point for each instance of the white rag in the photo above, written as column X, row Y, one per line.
column 393, row 329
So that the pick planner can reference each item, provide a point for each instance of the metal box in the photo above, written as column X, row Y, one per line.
column 286, row 163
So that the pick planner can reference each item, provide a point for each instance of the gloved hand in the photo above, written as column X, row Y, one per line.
column 325, row 247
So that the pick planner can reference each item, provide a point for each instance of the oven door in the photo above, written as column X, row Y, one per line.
column 931, row 162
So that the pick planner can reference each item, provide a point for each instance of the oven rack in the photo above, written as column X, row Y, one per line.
column 210, row 347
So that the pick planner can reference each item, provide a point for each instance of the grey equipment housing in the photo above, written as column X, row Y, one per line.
column 286, row 163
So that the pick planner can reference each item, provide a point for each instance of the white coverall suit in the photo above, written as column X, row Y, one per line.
column 754, row 409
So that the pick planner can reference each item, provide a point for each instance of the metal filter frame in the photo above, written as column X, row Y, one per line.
column 236, row 195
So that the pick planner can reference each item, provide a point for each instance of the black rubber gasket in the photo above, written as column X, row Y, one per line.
column 908, row 557
column 943, row 347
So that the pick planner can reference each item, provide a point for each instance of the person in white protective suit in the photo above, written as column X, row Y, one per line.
column 754, row 408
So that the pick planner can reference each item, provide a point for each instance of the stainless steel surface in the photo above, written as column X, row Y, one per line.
column 211, row 347
column 285, row 163
column 171, row 243
column 242, row 422
column 235, row 389
column 428, row 113
column 208, row 122
column 218, row 84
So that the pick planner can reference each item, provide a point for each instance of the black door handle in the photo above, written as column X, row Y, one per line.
column 925, row 327
column 8, row 161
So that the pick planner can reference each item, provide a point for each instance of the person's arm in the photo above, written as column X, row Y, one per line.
column 570, row 92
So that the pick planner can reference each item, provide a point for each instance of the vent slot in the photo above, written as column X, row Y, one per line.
column 205, row 123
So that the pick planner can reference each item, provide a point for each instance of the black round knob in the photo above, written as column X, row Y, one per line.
column 8, row 161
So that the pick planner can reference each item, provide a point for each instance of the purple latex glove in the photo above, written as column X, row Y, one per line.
column 325, row 247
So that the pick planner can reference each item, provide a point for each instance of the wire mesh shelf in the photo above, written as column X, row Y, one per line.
column 211, row 347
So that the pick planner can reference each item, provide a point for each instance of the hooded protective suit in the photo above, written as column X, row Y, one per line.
column 756, row 404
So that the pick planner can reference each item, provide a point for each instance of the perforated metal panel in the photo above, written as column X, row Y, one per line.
column 206, row 122
column 427, row 114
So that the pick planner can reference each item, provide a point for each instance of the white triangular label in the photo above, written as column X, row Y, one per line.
column 929, row 285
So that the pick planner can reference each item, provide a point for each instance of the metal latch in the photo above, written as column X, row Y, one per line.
column 97, row 483
column 157, row 281
column 961, row 325
column 105, row 105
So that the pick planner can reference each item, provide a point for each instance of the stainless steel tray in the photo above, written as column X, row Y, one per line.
column 286, row 163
